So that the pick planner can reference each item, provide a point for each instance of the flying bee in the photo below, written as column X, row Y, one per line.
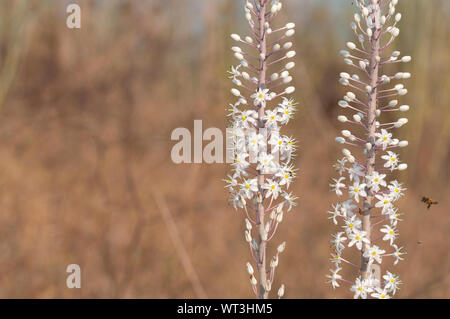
column 429, row 202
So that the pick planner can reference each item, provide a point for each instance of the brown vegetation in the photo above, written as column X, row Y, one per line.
column 85, row 123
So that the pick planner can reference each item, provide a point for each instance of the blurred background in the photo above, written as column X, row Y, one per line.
column 85, row 171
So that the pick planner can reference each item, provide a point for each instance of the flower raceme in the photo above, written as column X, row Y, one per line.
column 371, row 227
column 262, row 170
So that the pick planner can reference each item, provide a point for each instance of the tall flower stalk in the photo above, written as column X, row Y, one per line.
column 262, row 169
column 369, row 217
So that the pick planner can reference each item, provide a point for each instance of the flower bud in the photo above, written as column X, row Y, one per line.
column 239, row 56
column 290, row 33
column 342, row 118
column 351, row 95
column 393, row 103
column 344, row 82
column 401, row 122
column 290, row 25
column 248, row 225
column 287, row 80
column 281, row 291
column 236, row 37
column 250, row 269
column 365, row 11
column 274, row 262
column 351, row 45
column 346, row 133
column 345, row 53
column 248, row 236
column 287, row 45
column 406, row 59
column 235, row 92
column 290, row 54
column 289, row 90
column 281, row 247
column 343, row 104
column 290, row 65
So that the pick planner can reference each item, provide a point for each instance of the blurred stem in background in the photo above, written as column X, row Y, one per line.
column 16, row 17
column 430, row 117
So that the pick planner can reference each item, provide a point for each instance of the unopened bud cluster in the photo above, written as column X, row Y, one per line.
column 368, row 216
column 262, row 169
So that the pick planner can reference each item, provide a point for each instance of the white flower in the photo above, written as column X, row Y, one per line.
column 397, row 254
column 391, row 160
column 374, row 254
column 256, row 141
column 391, row 282
column 340, row 165
column 335, row 213
column 266, row 163
column 286, row 110
column 336, row 187
column 396, row 189
column 361, row 288
column 336, row 259
column 285, row 175
column 272, row 187
column 235, row 73
column 384, row 138
column 231, row 181
column 240, row 161
column 246, row 119
column 352, row 224
column 338, row 240
column 355, row 172
column 380, row 294
column 358, row 238
column 376, row 180
column 390, row 233
column 394, row 216
column 357, row 190
column 334, row 277
column 249, row 187
column 347, row 208
column 271, row 118
column 261, row 96
column 385, row 202
column 290, row 200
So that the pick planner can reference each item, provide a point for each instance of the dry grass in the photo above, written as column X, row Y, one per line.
column 85, row 129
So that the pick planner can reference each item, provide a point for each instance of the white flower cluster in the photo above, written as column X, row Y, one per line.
column 262, row 169
column 366, row 181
